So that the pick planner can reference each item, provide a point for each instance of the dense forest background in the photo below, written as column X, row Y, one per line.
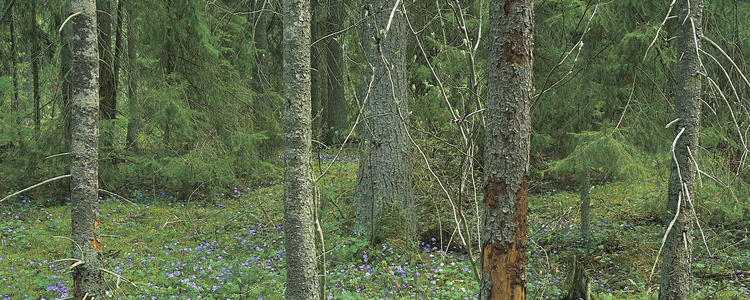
column 191, row 103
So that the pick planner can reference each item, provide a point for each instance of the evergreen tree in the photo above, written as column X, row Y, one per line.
column 84, row 189
column 107, row 84
column 506, row 157
column 676, row 272
column 134, row 120
column 384, row 191
column 35, row 57
column 337, row 118
column 302, row 280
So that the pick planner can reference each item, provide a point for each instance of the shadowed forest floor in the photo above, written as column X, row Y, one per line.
column 231, row 246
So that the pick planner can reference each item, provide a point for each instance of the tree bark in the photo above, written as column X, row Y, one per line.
column 107, row 90
column 676, row 272
column 302, row 281
column 338, row 124
column 66, row 60
column 586, row 204
column 35, row 57
column 84, row 188
column 134, row 120
column 118, row 47
column 14, row 60
column 506, row 157
column 384, row 191
column 316, row 69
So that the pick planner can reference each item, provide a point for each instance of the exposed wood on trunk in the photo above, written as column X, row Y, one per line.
column 506, row 157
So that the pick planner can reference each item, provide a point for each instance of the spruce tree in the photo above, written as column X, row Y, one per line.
column 676, row 271
column 506, row 154
column 88, row 282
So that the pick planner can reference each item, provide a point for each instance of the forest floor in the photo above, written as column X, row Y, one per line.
column 231, row 246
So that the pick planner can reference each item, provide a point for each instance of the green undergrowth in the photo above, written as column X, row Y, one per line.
column 230, row 245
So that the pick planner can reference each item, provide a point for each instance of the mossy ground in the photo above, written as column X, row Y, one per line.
column 231, row 246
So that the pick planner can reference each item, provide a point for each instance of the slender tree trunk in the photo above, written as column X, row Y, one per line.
column 134, row 120
column 118, row 46
column 107, row 90
column 35, row 57
column 338, row 122
column 14, row 60
column 586, row 204
column 302, row 281
column 84, row 188
column 316, row 69
column 384, row 191
column 506, row 158
column 66, row 60
column 676, row 270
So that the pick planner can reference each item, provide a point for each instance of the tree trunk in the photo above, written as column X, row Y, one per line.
column 316, row 69
column 338, row 124
column 384, row 191
column 66, row 60
column 84, row 188
column 14, row 61
column 118, row 47
column 506, row 158
column 586, row 235
column 676, row 271
column 107, row 90
column 134, row 120
column 35, row 57
column 302, row 281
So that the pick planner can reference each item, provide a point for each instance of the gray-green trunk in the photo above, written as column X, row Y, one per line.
column 585, row 205
column 134, row 118
column 302, row 280
column 35, row 57
column 676, row 272
column 107, row 91
column 385, row 203
column 338, row 123
column 506, row 152
column 84, row 186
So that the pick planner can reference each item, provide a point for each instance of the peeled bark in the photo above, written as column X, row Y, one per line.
column 676, row 272
column 506, row 157
column 302, row 280
column 384, row 190
column 84, row 187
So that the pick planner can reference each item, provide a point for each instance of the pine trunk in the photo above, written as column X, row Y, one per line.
column 302, row 280
column 84, row 188
column 506, row 157
column 676, row 272
column 385, row 203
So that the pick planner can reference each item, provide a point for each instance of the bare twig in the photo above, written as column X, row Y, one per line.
column 36, row 185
